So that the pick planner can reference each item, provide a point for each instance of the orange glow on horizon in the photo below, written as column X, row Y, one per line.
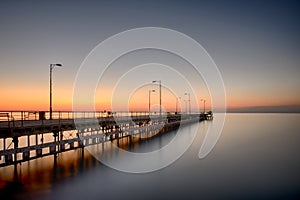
column 38, row 99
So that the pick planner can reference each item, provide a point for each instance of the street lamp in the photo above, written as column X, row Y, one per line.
column 159, row 81
column 51, row 68
column 203, row 104
column 189, row 101
column 150, row 99
column 186, row 106
column 177, row 103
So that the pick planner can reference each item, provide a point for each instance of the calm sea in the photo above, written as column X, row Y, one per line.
column 256, row 157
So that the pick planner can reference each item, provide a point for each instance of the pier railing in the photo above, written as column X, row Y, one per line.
column 45, row 115
column 18, row 118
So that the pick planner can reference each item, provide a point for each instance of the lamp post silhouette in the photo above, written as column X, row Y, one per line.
column 203, row 104
column 150, row 99
column 186, row 106
column 189, row 101
column 177, row 104
column 159, row 81
column 51, row 68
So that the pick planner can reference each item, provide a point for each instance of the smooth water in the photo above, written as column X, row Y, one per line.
column 256, row 157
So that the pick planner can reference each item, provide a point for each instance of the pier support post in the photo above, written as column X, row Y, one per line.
column 72, row 145
column 53, row 148
column 28, row 140
column 16, row 145
column 8, row 158
column 102, row 146
column 26, row 155
column 130, row 138
column 80, row 143
column 42, row 139
column 62, row 146
column 39, row 152
column 3, row 147
column 4, row 144
column 118, row 141
column 80, row 136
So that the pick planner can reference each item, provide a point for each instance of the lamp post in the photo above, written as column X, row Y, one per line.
column 51, row 68
column 159, row 81
column 177, row 103
column 150, row 99
column 189, row 101
column 203, row 104
column 185, row 106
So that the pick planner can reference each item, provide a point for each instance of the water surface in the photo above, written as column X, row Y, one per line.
column 256, row 157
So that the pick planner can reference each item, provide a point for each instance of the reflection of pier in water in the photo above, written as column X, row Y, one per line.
column 91, row 128
column 36, row 174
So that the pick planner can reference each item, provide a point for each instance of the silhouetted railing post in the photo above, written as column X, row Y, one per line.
column 22, row 117
column 59, row 118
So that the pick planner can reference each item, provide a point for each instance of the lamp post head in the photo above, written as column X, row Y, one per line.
column 156, row 81
column 55, row 65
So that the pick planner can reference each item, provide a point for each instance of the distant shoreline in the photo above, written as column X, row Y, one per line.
column 266, row 109
column 253, row 112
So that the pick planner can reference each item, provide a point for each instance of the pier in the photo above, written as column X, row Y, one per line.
column 34, row 127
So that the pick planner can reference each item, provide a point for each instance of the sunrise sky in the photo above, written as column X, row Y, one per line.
column 255, row 45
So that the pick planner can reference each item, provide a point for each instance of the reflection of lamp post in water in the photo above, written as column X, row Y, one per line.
column 150, row 99
column 51, row 68
column 159, row 81
column 189, row 101
column 203, row 104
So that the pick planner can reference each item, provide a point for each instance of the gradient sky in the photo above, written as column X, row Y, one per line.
column 255, row 44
